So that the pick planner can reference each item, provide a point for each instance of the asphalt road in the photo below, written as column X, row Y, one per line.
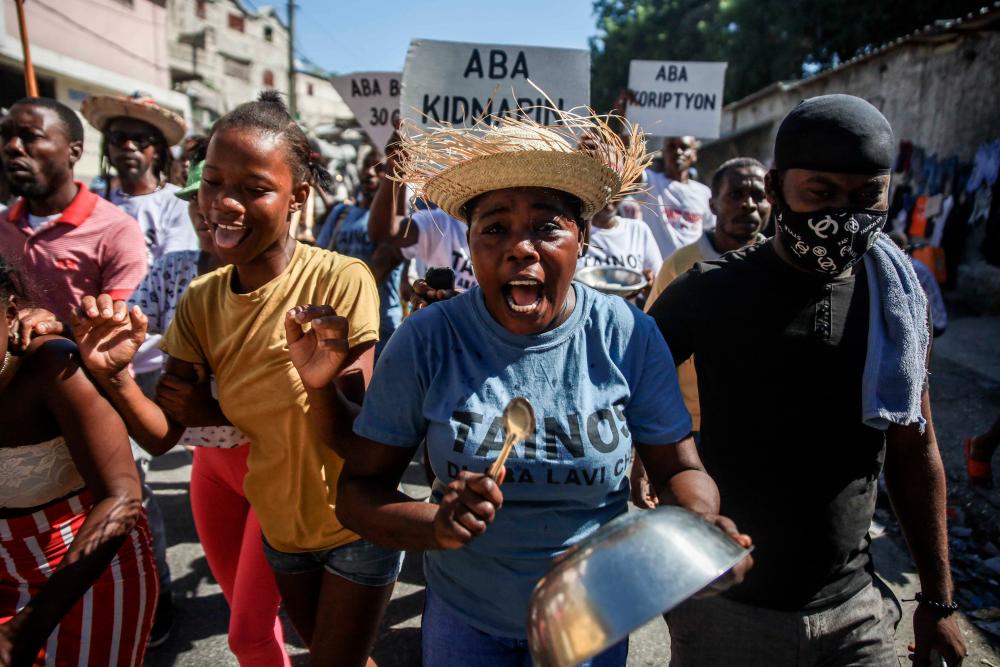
column 965, row 389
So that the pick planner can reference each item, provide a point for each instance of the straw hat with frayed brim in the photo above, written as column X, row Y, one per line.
column 100, row 109
column 580, row 155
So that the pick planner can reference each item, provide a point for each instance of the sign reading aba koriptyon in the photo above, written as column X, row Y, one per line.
column 455, row 82
column 373, row 98
column 676, row 98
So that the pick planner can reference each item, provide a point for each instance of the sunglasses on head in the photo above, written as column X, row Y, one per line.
column 140, row 140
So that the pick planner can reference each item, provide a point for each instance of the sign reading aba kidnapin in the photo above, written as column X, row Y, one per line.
column 455, row 82
column 676, row 98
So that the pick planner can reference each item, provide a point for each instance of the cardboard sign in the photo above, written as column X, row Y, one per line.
column 676, row 98
column 455, row 82
column 373, row 98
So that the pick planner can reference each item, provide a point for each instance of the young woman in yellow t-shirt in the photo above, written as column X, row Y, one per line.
column 242, row 324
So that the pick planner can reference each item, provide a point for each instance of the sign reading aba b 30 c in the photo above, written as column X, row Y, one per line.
column 373, row 98
column 676, row 98
column 456, row 83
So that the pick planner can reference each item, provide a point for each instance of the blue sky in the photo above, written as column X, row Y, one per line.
column 351, row 35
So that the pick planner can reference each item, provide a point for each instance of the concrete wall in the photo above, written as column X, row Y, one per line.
column 231, row 63
column 69, row 50
column 129, row 39
column 320, row 106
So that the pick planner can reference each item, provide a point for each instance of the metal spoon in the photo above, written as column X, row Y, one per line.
column 518, row 424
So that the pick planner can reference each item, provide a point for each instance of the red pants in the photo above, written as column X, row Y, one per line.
column 231, row 537
column 110, row 624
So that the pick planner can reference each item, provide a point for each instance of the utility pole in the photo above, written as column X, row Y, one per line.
column 30, row 84
column 292, row 106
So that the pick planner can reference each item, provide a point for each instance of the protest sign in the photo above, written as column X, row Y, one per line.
column 676, row 98
column 373, row 98
column 456, row 82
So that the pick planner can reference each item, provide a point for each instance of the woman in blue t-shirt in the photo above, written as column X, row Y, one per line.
column 596, row 369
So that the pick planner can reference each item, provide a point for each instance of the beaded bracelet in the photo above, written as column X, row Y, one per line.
column 941, row 608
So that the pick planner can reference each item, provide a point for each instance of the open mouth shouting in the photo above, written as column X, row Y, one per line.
column 229, row 235
column 524, row 296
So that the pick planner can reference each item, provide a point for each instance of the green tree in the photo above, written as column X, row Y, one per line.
column 763, row 40
column 646, row 30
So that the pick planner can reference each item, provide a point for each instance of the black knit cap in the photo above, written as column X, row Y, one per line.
column 836, row 133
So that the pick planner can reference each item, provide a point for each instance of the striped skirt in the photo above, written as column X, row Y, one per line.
column 110, row 624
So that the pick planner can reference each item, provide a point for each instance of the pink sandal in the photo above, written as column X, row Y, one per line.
column 980, row 472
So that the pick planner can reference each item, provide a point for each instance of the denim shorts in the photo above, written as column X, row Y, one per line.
column 448, row 641
column 360, row 562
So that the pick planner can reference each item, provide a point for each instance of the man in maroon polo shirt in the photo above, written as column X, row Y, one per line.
column 69, row 241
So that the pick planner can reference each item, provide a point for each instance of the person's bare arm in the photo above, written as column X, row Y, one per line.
column 108, row 335
column 679, row 478
column 914, row 477
column 187, row 401
column 98, row 443
column 384, row 260
column 387, row 222
column 370, row 504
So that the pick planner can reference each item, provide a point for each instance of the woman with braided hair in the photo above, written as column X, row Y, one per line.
column 292, row 391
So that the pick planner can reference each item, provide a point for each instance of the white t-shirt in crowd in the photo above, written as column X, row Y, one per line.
column 677, row 213
column 36, row 221
column 629, row 243
column 163, row 218
column 442, row 242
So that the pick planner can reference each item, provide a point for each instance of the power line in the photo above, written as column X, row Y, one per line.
column 103, row 38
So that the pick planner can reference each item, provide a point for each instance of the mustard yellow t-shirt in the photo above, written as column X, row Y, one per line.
column 292, row 477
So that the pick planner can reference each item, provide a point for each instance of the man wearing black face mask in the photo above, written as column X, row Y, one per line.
column 796, row 433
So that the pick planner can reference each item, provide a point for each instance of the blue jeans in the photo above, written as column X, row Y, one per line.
column 447, row 641
column 360, row 562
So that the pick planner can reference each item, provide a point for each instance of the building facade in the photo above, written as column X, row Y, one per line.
column 319, row 105
column 222, row 54
column 76, row 53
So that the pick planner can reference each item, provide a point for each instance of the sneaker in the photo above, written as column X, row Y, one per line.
column 163, row 622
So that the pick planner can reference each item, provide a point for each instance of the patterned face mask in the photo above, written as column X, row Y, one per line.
column 830, row 241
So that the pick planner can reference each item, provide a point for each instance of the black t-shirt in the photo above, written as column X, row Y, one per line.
column 780, row 357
